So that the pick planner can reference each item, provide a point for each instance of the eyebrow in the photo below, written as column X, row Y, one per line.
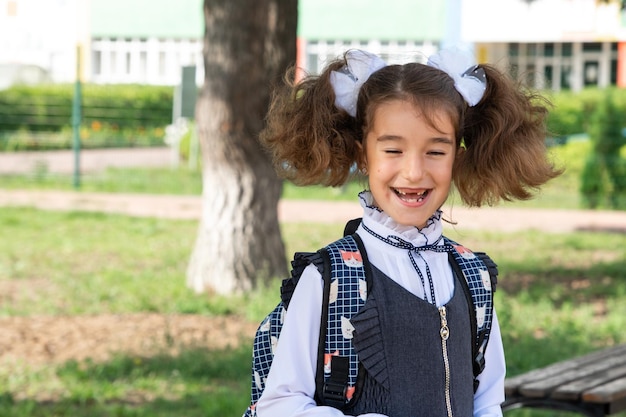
column 437, row 139
column 443, row 140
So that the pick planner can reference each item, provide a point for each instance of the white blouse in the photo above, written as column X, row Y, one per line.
column 290, row 385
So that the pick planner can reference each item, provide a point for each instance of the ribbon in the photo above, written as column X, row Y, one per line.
column 469, row 78
column 348, row 81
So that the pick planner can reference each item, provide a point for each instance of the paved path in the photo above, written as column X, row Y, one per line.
column 189, row 207
column 89, row 160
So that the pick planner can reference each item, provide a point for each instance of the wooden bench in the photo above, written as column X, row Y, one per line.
column 593, row 385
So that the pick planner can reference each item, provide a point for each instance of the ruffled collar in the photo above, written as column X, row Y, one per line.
column 379, row 222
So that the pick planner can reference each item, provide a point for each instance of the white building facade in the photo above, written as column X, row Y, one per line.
column 44, row 33
column 555, row 44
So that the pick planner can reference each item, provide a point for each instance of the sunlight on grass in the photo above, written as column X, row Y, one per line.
column 197, row 382
column 559, row 295
column 562, row 192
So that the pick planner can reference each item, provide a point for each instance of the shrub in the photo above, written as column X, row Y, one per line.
column 605, row 173
column 40, row 117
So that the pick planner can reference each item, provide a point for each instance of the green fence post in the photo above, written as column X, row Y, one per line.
column 76, row 119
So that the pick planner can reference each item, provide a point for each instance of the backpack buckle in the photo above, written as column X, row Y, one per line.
column 479, row 363
column 334, row 392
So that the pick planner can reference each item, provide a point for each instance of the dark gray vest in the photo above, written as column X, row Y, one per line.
column 397, row 338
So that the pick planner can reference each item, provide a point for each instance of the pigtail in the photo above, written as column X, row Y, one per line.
column 504, row 139
column 310, row 140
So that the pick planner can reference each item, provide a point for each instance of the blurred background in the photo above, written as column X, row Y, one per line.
column 98, row 74
column 97, row 99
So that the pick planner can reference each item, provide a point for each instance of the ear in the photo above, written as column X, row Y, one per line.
column 361, row 161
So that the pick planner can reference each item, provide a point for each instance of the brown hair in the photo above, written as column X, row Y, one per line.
column 314, row 142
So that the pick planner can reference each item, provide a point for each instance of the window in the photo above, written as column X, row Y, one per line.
column 592, row 47
column 613, row 78
column 590, row 73
column 566, row 75
column 97, row 62
column 548, row 76
column 566, row 49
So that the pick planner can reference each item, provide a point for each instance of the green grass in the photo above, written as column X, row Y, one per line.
column 179, row 181
column 198, row 382
column 561, row 192
column 559, row 295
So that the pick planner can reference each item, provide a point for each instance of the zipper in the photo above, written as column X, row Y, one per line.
column 445, row 333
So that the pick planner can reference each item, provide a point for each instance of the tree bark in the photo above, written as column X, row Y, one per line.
column 247, row 47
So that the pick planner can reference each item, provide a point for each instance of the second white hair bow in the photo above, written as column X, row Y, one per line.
column 348, row 81
column 469, row 79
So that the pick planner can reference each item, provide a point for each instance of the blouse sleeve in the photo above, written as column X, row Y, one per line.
column 490, row 393
column 290, row 386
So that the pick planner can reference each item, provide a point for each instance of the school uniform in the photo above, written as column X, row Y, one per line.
column 397, row 336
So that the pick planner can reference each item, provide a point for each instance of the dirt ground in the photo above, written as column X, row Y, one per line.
column 47, row 340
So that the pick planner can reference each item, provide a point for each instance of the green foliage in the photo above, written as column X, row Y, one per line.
column 606, row 125
column 592, row 184
column 566, row 116
column 604, row 176
column 126, row 110
column 40, row 117
column 571, row 111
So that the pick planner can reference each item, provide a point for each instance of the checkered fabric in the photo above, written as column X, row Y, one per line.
column 348, row 293
column 349, row 285
column 479, row 282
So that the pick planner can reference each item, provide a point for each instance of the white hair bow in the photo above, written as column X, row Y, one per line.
column 348, row 81
column 469, row 79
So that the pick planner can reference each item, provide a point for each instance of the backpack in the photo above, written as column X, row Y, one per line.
column 344, row 267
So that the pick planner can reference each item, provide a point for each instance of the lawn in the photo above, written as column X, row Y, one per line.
column 559, row 295
column 101, row 282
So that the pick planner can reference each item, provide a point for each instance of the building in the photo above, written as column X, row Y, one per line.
column 553, row 44
column 556, row 44
column 43, row 34
column 103, row 41
column 145, row 41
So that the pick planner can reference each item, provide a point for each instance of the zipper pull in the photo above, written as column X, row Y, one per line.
column 444, row 331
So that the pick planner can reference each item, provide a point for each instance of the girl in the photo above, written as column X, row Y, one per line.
column 413, row 130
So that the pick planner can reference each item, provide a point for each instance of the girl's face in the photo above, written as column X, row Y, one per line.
column 409, row 163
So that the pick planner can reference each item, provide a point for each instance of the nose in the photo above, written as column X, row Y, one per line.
column 413, row 168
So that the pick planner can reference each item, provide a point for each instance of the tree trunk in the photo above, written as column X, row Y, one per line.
column 247, row 47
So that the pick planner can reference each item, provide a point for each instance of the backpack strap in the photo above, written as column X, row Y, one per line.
column 345, row 291
column 477, row 274
column 265, row 341
column 341, row 265
column 300, row 261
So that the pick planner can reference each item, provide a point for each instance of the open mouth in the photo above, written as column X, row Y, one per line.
column 411, row 197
